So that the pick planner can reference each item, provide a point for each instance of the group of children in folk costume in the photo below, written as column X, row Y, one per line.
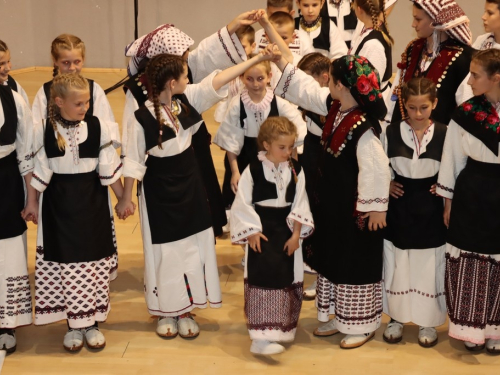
column 74, row 157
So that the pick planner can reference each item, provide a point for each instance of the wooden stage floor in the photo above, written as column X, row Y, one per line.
column 223, row 345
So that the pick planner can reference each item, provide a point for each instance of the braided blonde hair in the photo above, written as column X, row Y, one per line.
column 62, row 86
column 66, row 42
column 161, row 69
column 374, row 8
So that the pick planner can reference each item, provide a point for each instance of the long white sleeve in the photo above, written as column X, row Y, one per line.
column 374, row 174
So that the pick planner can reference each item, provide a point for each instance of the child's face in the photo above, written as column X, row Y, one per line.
column 4, row 66
column 479, row 81
column 256, row 79
column 249, row 47
column 322, row 78
column 280, row 149
column 286, row 32
column 310, row 9
column 419, row 108
column 69, row 61
column 75, row 105
column 179, row 85
column 491, row 17
column 422, row 23
column 335, row 87
column 271, row 10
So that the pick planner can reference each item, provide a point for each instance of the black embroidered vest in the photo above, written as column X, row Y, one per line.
column 322, row 41
column 87, row 149
column 397, row 147
column 264, row 189
column 9, row 128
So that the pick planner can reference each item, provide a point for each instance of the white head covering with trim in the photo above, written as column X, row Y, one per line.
column 449, row 17
column 164, row 39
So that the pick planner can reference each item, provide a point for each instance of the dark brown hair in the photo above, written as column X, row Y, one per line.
column 419, row 86
column 497, row 2
column 489, row 59
column 161, row 69
column 315, row 62
column 246, row 30
column 3, row 46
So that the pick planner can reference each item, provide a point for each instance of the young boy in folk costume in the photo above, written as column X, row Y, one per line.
column 271, row 213
column 441, row 53
column 16, row 164
column 74, row 165
column 469, row 179
column 322, row 32
column 221, row 50
column 297, row 45
column 5, row 67
column 351, row 197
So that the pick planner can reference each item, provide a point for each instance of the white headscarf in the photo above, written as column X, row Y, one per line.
column 164, row 39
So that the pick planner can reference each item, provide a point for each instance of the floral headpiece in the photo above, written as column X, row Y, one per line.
column 363, row 81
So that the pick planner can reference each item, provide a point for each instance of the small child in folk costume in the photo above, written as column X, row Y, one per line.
column 74, row 165
column 469, row 179
column 238, row 132
column 16, row 163
column 317, row 66
column 374, row 41
column 318, row 27
column 415, row 237
column 179, row 247
column 351, row 194
column 271, row 203
column 5, row 67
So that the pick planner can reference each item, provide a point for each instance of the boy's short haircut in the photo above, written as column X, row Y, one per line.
column 246, row 30
column 280, row 4
column 279, row 19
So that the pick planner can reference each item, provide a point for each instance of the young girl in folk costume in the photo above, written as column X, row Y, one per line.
column 221, row 50
column 374, row 41
column 5, row 67
column 179, row 249
column 351, row 195
column 74, row 165
column 246, row 35
column 68, row 56
column 342, row 13
column 469, row 179
column 441, row 53
column 317, row 66
column 271, row 213
column 323, row 33
column 16, row 163
column 238, row 132
column 415, row 237
column 491, row 23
